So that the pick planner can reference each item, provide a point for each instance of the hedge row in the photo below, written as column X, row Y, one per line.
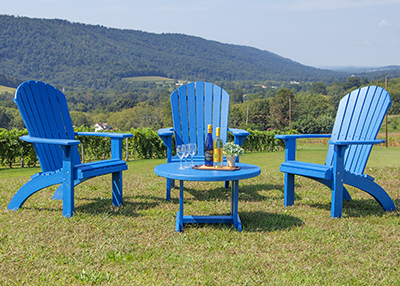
column 145, row 144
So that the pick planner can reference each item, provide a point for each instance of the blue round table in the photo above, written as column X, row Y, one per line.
column 171, row 171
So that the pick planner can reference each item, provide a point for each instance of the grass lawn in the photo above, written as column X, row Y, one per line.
column 155, row 79
column 7, row 89
column 137, row 245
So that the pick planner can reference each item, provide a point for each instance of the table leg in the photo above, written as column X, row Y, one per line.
column 234, row 205
column 179, row 216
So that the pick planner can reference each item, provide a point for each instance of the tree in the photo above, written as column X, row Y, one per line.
column 318, row 88
column 282, row 109
column 352, row 82
column 79, row 118
column 259, row 114
column 236, row 116
column 4, row 118
column 236, row 96
column 314, row 105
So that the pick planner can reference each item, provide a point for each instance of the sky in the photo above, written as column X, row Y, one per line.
column 318, row 33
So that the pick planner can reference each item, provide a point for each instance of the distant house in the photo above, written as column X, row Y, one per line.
column 100, row 126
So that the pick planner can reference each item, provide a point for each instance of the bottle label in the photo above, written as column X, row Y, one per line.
column 218, row 155
column 208, row 155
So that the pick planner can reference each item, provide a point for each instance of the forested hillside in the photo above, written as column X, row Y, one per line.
column 73, row 54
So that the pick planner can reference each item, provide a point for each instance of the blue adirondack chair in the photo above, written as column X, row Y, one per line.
column 194, row 106
column 45, row 113
column 359, row 117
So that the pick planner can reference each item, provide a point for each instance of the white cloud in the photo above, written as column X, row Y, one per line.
column 384, row 23
column 310, row 5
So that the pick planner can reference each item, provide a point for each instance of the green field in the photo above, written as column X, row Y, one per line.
column 137, row 245
column 154, row 79
column 393, row 124
column 7, row 89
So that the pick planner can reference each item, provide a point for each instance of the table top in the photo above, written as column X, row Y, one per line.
column 171, row 171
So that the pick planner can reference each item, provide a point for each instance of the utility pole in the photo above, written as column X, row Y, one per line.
column 290, row 113
column 386, row 117
column 247, row 115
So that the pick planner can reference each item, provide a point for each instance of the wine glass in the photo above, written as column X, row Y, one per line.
column 180, row 151
column 192, row 152
column 186, row 155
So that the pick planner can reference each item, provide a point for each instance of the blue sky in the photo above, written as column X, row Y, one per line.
column 312, row 32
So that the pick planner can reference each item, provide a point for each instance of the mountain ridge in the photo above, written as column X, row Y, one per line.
column 83, row 55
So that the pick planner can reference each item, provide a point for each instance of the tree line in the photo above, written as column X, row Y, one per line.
column 269, row 105
column 145, row 144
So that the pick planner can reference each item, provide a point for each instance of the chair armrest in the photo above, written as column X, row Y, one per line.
column 116, row 141
column 165, row 132
column 166, row 136
column 301, row 136
column 357, row 142
column 239, row 135
column 290, row 143
column 64, row 142
column 105, row 134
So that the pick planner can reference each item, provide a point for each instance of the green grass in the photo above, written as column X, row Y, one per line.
column 393, row 124
column 137, row 245
column 155, row 79
column 4, row 89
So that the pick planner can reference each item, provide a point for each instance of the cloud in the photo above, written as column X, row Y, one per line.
column 384, row 23
column 311, row 5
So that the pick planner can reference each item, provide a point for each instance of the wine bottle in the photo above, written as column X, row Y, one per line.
column 208, row 148
column 218, row 144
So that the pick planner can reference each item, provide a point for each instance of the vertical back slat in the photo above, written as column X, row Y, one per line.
column 208, row 98
column 176, row 116
column 216, row 107
column 201, row 129
column 191, row 99
column 182, row 94
column 224, row 115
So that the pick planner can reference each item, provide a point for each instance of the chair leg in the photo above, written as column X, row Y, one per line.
column 31, row 187
column 117, row 195
column 337, row 193
column 168, row 193
column 337, row 200
column 372, row 188
column 289, row 190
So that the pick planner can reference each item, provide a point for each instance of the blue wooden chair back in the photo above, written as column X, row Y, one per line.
column 45, row 113
column 359, row 117
column 194, row 106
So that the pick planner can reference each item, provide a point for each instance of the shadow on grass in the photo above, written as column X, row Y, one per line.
column 257, row 222
column 246, row 193
column 267, row 222
column 358, row 207
column 131, row 207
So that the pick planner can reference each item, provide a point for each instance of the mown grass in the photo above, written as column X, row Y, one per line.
column 137, row 245
column 155, row 79
column 4, row 89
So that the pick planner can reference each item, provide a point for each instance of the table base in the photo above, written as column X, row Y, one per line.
column 233, row 218
column 208, row 219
